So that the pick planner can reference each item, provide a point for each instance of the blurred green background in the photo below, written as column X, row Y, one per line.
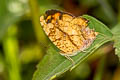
column 23, row 42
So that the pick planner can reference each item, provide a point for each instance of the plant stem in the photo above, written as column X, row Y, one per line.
column 10, row 44
column 108, row 10
column 40, row 36
column 100, row 69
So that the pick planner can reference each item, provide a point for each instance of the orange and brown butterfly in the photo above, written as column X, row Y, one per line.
column 69, row 33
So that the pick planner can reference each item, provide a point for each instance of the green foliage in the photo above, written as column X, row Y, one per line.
column 23, row 42
column 53, row 64
column 10, row 13
column 116, row 32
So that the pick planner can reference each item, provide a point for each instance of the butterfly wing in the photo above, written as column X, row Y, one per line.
column 67, row 32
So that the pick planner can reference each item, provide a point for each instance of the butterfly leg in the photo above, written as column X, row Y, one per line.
column 69, row 58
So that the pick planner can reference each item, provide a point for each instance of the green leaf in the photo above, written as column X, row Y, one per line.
column 53, row 64
column 116, row 29
column 116, row 37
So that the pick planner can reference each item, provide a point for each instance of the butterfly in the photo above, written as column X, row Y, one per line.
column 68, row 33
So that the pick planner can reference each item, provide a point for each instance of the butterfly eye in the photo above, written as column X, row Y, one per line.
column 48, row 17
column 48, row 21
